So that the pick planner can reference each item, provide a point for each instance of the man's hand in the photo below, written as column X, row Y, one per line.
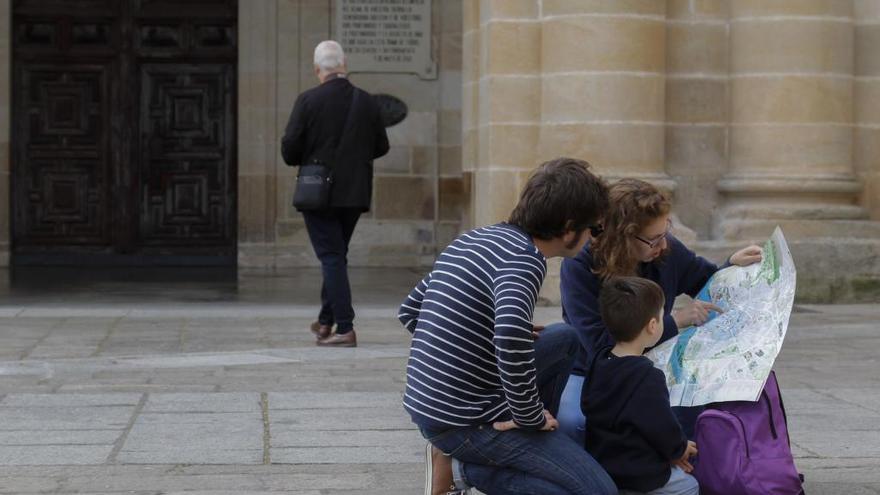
column 747, row 256
column 550, row 425
column 683, row 462
column 694, row 313
column 536, row 331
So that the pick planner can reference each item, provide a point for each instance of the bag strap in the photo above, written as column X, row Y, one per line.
column 354, row 97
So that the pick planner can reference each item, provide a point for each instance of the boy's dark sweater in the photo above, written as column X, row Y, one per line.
column 631, row 430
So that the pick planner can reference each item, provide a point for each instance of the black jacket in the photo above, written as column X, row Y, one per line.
column 631, row 430
column 315, row 127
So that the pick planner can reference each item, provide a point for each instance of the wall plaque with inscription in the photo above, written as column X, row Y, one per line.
column 386, row 35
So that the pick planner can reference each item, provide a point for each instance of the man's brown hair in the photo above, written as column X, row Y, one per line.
column 561, row 195
column 627, row 305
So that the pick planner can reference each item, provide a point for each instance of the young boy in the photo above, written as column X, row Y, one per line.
column 631, row 429
column 479, row 385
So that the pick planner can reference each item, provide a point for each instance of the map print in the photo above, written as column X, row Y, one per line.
column 730, row 356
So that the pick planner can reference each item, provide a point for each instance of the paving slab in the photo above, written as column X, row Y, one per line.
column 66, row 455
column 64, row 418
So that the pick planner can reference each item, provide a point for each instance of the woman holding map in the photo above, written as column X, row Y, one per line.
column 635, row 240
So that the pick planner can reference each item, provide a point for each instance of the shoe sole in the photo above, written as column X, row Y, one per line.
column 429, row 469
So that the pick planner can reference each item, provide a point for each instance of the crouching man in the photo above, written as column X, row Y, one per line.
column 482, row 385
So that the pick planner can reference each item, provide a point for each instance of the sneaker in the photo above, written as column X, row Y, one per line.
column 461, row 486
column 438, row 473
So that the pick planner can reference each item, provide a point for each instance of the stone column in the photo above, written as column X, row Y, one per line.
column 501, row 102
column 791, row 136
column 5, row 151
column 603, row 86
column 258, row 140
column 867, row 105
column 301, row 24
column 697, row 87
column 453, row 189
column 553, row 78
column 470, row 79
column 559, row 78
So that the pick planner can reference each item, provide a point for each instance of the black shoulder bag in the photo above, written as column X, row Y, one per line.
column 315, row 179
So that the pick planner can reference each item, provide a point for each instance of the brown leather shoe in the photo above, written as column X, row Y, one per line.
column 321, row 331
column 438, row 472
column 348, row 339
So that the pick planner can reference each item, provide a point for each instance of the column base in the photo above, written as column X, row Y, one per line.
column 829, row 270
column 805, row 206
column 751, row 229
column 836, row 249
column 272, row 256
column 845, row 270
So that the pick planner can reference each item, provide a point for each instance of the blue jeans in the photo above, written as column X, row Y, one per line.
column 523, row 462
column 571, row 420
column 680, row 483
column 330, row 231
column 573, row 423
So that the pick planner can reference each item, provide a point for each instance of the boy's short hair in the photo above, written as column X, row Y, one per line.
column 627, row 305
column 561, row 195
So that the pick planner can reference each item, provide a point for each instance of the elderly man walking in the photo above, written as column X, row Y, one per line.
column 339, row 125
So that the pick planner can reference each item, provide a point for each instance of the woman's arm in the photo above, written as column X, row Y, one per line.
column 580, row 302
column 693, row 271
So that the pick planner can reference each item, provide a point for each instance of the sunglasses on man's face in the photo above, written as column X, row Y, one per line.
column 596, row 230
column 652, row 243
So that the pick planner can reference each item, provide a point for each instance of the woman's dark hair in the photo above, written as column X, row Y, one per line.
column 561, row 195
column 627, row 304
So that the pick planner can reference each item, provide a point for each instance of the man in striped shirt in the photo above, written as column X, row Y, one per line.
column 482, row 385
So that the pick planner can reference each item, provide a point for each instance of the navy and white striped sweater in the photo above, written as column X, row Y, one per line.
column 472, row 356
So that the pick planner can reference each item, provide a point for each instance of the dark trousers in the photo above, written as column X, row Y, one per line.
column 330, row 232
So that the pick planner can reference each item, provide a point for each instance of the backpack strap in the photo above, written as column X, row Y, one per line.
column 773, row 432
column 784, row 418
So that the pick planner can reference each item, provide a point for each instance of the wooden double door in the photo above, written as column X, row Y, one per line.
column 124, row 131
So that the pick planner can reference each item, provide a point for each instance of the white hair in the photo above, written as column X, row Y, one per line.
column 329, row 56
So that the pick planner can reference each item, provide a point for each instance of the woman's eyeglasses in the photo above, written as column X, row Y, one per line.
column 652, row 243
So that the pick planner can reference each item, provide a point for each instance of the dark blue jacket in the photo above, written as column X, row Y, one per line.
column 631, row 430
column 680, row 271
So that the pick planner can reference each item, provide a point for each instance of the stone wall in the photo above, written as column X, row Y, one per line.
column 751, row 113
column 866, row 146
column 419, row 192
column 5, row 149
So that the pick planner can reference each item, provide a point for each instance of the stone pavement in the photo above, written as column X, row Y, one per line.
column 214, row 385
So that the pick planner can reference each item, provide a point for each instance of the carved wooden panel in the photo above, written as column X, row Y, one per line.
column 186, row 154
column 124, row 134
column 62, row 191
